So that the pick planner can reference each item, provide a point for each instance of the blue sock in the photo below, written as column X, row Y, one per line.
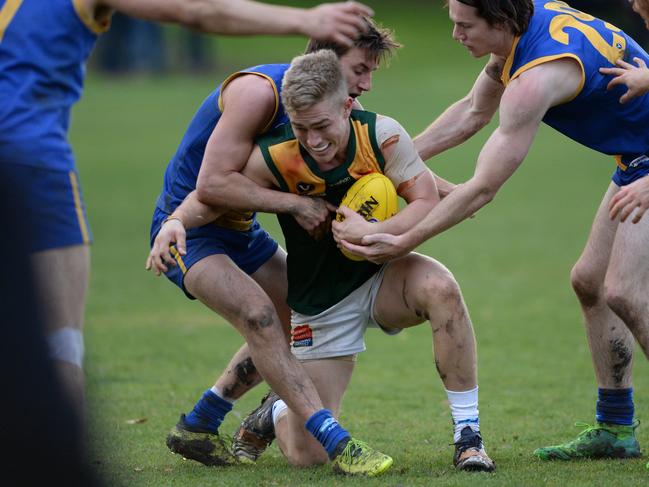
column 208, row 413
column 326, row 430
column 615, row 406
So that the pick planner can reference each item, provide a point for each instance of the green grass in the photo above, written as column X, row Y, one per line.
column 151, row 352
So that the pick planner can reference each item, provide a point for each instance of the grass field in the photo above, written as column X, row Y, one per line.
column 151, row 352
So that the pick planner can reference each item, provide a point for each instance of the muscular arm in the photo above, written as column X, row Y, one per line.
column 338, row 22
column 465, row 117
column 248, row 105
column 523, row 105
column 192, row 213
column 522, row 108
column 414, row 182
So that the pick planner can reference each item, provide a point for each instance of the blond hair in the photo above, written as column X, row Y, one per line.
column 311, row 78
column 379, row 42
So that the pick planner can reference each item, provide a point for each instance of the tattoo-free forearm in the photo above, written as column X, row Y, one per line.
column 235, row 191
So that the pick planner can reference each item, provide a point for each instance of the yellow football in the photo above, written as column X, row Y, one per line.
column 374, row 198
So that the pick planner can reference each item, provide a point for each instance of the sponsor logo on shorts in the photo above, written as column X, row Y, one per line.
column 302, row 336
column 638, row 160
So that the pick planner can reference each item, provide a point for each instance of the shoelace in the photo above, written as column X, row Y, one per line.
column 595, row 427
column 463, row 444
column 353, row 450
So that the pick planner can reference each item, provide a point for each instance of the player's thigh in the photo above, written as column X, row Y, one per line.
column 406, row 290
column 596, row 255
column 331, row 377
column 628, row 270
column 223, row 287
column 61, row 276
column 272, row 278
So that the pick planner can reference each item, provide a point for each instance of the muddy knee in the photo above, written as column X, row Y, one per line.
column 259, row 324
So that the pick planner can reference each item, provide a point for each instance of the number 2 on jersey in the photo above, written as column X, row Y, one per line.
column 577, row 20
column 7, row 13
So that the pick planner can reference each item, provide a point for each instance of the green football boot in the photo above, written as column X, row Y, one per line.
column 358, row 458
column 599, row 441
column 202, row 446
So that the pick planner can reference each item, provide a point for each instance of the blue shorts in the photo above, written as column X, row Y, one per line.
column 630, row 169
column 53, row 203
column 248, row 250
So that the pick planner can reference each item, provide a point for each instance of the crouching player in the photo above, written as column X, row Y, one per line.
column 321, row 153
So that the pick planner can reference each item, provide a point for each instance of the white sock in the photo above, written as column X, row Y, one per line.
column 218, row 392
column 279, row 407
column 464, row 410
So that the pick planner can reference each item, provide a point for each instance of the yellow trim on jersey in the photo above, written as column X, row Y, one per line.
column 88, row 18
column 240, row 221
column 7, row 13
column 504, row 77
column 178, row 258
column 365, row 161
column 547, row 59
column 243, row 73
column 293, row 168
column 620, row 164
column 77, row 205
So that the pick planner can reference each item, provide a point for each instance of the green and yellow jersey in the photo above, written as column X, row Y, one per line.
column 319, row 275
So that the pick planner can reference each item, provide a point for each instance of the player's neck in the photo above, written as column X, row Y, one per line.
column 504, row 48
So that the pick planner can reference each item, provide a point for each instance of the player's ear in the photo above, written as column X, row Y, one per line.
column 348, row 105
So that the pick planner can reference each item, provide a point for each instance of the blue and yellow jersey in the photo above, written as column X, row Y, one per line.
column 319, row 275
column 594, row 117
column 182, row 171
column 44, row 45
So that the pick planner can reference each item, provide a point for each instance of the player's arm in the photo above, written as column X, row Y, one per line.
column 465, row 117
column 522, row 107
column 192, row 213
column 249, row 104
column 413, row 180
column 339, row 22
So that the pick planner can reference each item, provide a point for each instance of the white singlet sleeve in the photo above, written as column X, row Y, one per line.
column 402, row 161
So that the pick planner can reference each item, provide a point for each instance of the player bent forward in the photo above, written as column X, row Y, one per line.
column 322, row 152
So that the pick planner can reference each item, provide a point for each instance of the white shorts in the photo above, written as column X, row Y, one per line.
column 340, row 329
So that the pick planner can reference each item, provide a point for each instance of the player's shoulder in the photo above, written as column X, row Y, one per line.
column 388, row 128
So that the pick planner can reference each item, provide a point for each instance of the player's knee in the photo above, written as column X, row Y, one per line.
column 259, row 318
column 261, row 326
column 585, row 284
column 442, row 287
column 66, row 345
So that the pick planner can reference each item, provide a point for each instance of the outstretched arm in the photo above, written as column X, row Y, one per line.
column 338, row 22
column 465, row 117
column 523, row 105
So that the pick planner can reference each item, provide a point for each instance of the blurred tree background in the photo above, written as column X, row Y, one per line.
column 134, row 46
